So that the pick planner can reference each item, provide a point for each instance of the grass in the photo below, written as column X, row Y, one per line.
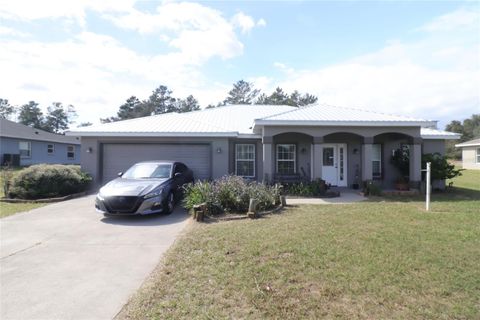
column 379, row 259
column 8, row 209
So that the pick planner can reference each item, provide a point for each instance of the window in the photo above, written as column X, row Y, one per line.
column 286, row 158
column 50, row 148
column 245, row 160
column 478, row 155
column 377, row 161
column 71, row 152
column 25, row 149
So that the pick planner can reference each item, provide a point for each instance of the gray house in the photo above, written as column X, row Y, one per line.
column 266, row 143
column 27, row 146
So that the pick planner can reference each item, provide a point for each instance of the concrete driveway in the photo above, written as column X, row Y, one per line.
column 65, row 261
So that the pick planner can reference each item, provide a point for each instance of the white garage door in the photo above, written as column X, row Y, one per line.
column 119, row 157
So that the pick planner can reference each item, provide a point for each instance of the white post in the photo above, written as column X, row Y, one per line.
column 427, row 192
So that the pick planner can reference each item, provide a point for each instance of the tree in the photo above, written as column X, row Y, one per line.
column 58, row 117
column 298, row 100
column 160, row 101
column 6, row 110
column 242, row 92
column 132, row 108
column 280, row 97
column 187, row 105
column 31, row 115
column 469, row 129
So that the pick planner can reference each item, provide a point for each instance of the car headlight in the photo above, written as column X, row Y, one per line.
column 154, row 193
column 99, row 197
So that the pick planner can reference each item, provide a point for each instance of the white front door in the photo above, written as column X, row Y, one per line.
column 334, row 164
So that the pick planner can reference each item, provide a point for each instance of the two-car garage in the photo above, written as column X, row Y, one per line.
column 118, row 157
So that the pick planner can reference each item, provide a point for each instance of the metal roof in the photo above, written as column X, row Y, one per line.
column 470, row 143
column 323, row 114
column 430, row 133
column 222, row 121
column 240, row 120
column 10, row 129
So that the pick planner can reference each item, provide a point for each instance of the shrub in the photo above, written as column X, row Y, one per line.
column 440, row 168
column 230, row 194
column 371, row 189
column 306, row 189
column 48, row 181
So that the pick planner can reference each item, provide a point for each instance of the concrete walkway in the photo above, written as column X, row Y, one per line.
column 65, row 261
column 346, row 196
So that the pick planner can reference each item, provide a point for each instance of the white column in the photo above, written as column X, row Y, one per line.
column 367, row 149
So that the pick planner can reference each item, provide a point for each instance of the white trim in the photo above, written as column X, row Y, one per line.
column 252, row 160
column 294, row 156
column 440, row 137
column 461, row 145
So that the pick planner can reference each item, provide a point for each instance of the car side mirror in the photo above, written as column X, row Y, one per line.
column 178, row 174
column 120, row 174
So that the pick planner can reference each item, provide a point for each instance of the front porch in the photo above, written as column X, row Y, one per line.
column 343, row 159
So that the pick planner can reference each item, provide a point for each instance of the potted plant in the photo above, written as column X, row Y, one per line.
column 401, row 160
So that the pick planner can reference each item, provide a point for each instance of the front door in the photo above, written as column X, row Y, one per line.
column 334, row 160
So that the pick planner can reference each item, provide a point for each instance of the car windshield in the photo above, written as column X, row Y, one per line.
column 148, row 171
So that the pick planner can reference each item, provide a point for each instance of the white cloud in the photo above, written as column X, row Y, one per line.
column 28, row 10
column 93, row 72
column 463, row 18
column 6, row 31
column 244, row 22
column 261, row 22
column 197, row 31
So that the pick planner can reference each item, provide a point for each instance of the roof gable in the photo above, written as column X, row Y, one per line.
column 323, row 114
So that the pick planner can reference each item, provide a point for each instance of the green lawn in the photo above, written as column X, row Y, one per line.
column 7, row 209
column 373, row 260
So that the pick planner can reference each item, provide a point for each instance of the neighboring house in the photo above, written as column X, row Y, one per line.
column 267, row 143
column 31, row 146
column 470, row 154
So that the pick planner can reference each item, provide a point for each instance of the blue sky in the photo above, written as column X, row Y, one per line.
column 413, row 58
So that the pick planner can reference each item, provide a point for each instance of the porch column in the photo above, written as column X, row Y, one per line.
column 415, row 163
column 267, row 159
column 367, row 149
column 317, row 157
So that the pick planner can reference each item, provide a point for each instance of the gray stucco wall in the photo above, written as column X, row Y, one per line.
column 224, row 162
column 39, row 152
column 92, row 162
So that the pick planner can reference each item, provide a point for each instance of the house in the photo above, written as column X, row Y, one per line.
column 470, row 154
column 24, row 146
column 266, row 143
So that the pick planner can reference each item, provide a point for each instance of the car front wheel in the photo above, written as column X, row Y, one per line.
column 170, row 205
